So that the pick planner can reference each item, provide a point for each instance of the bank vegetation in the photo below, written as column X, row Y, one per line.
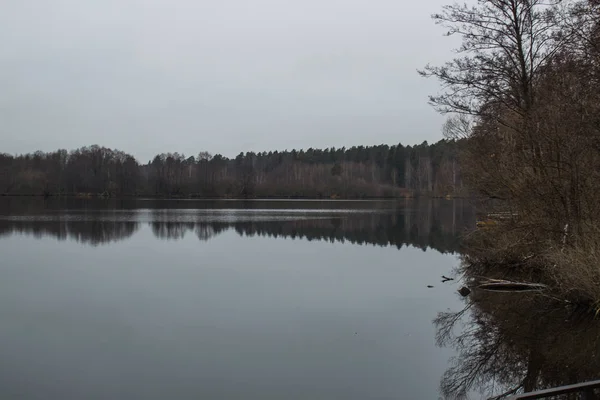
column 524, row 94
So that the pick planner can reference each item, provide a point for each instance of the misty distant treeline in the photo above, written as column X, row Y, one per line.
column 355, row 172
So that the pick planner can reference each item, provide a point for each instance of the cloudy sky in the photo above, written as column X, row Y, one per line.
column 150, row 76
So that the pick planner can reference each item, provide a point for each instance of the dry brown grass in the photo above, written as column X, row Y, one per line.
column 575, row 273
column 520, row 253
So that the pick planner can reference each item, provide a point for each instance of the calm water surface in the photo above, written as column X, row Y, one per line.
column 150, row 299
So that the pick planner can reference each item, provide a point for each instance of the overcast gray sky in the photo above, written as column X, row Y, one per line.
column 151, row 76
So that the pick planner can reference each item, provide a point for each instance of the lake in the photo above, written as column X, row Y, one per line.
column 156, row 299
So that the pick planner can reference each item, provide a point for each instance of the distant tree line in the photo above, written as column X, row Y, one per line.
column 355, row 172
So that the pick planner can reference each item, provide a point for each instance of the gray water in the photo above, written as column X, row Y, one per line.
column 151, row 299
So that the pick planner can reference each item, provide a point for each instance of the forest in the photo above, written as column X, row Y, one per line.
column 355, row 172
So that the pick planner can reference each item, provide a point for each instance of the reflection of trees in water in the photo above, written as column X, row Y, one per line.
column 438, row 225
column 512, row 342
column 207, row 231
column 517, row 342
column 171, row 230
column 92, row 232
column 423, row 224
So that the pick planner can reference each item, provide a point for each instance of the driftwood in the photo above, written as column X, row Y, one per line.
column 497, row 285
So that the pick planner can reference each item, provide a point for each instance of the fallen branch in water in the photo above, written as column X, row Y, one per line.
column 499, row 285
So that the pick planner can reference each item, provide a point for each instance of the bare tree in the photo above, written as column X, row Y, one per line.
column 504, row 45
column 458, row 126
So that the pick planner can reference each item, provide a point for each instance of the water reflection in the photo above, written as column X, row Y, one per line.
column 515, row 342
column 171, row 230
column 505, row 342
column 391, row 229
column 433, row 224
column 91, row 232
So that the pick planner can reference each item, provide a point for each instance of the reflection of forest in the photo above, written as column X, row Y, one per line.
column 425, row 224
column 93, row 232
column 430, row 224
column 515, row 342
